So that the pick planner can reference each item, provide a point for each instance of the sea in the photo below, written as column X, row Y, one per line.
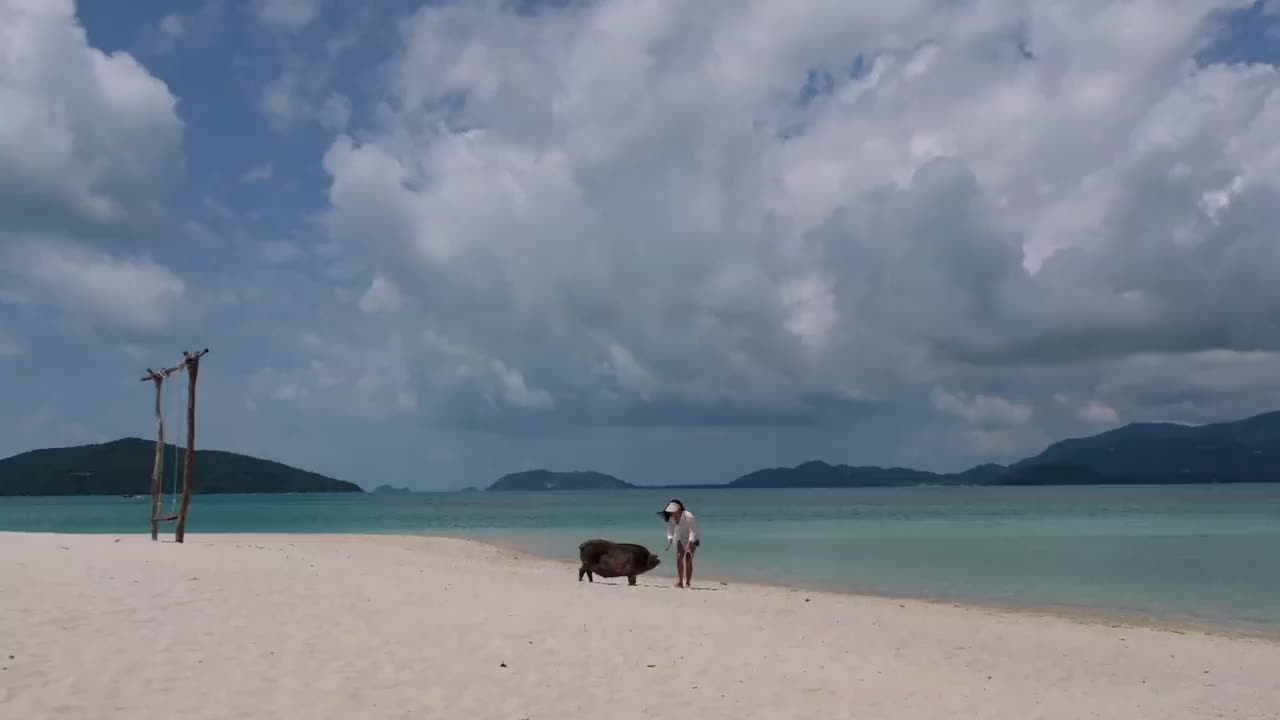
column 1200, row 556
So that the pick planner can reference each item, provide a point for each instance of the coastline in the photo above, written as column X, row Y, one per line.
column 1114, row 618
column 1082, row 615
column 301, row 626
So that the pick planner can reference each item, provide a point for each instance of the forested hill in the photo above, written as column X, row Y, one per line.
column 541, row 480
column 1240, row 451
column 123, row 467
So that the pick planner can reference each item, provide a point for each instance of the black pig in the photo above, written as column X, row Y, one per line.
column 611, row 559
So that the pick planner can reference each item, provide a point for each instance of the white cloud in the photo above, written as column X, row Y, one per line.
column 342, row 378
column 302, row 93
column 86, row 136
column 197, row 29
column 291, row 15
column 382, row 296
column 982, row 409
column 130, row 294
column 279, row 102
column 173, row 26
column 810, row 308
column 630, row 374
column 981, row 187
column 258, row 173
column 1099, row 413
column 515, row 392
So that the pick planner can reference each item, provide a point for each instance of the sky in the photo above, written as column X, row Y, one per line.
column 428, row 244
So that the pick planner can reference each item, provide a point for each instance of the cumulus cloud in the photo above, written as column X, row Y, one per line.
column 285, row 14
column 198, row 29
column 792, row 212
column 302, row 93
column 1096, row 412
column 982, row 409
column 89, row 141
column 173, row 26
column 381, row 296
column 280, row 102
column 133, row 295
column 87, row 136
column 515, row 392
column 344, row 379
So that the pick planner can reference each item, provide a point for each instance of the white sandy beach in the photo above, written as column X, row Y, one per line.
column 227, row 627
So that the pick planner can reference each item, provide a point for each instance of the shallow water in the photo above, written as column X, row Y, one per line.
column 1199, row 554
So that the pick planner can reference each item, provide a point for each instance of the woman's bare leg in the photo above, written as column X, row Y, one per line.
column 680, row 565
column 688, row 568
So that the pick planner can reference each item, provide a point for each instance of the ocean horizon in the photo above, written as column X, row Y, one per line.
column 1200, row 555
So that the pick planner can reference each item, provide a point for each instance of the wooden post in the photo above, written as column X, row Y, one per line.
column 192, row 362
column 157, row 470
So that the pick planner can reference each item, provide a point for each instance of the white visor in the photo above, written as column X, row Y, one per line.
column 672, row 507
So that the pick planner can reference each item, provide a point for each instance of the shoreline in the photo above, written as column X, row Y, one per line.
column 298, row 626
column 1084, row 616
column 1080, row 615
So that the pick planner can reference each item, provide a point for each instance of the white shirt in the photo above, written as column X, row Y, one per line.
column 685, row 531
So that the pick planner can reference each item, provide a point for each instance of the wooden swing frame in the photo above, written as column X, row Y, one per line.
column 191, row 364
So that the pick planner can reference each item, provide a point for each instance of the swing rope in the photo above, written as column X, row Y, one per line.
column 161, row 407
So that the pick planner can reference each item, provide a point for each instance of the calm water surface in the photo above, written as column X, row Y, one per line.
column 1206, row 554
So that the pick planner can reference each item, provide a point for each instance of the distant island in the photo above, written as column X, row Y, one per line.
column 123, row 467
column 1241, row 451
column 390, row 490
column 533, row 480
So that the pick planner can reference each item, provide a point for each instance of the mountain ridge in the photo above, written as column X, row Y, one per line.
column 549, row 480
column 123, row 467
column 1236, row 451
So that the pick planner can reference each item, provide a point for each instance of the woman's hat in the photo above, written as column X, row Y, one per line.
column 671, row 509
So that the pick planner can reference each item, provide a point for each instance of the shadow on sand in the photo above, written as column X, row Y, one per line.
column 623, row 584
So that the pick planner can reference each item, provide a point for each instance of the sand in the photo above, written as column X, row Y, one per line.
column 380, row 627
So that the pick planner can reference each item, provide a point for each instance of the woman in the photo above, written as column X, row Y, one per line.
column 682, row 529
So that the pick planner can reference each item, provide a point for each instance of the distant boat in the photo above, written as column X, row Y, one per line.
column 128, row 497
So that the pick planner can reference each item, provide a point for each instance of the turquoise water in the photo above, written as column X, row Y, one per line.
column 1206, row 554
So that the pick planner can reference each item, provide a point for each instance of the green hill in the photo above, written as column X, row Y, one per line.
column 1241, row 451
column 123, row 467
column 818, row 474
column 543, row 480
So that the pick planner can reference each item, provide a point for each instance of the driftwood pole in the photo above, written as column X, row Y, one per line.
column 192, row 362
column 157, row 470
